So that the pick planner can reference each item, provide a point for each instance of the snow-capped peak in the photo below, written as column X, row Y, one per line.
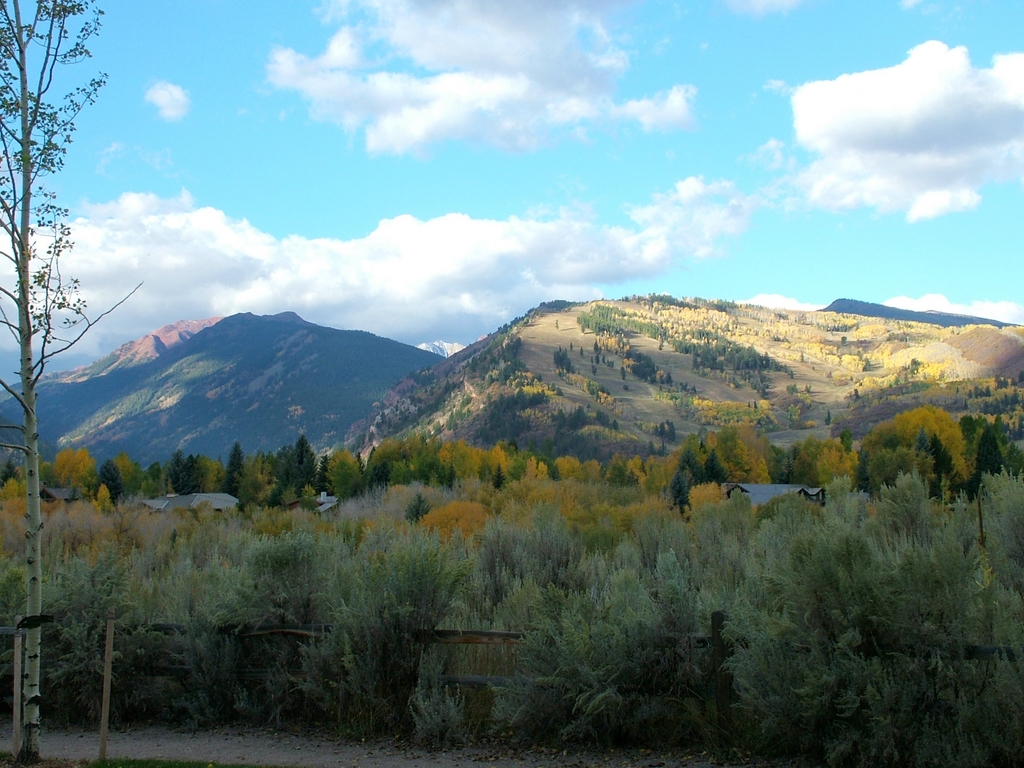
column 442, row 348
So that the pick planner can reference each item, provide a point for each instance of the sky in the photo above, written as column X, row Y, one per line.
column 430, row 169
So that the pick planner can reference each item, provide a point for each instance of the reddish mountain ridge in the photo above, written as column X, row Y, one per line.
column 142, row 350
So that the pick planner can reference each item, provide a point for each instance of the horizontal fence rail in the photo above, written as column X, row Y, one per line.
column 721, row 651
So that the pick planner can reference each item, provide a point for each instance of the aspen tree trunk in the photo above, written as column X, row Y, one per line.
column 33, row 516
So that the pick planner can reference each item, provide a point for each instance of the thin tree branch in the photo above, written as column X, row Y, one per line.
column 44, row 358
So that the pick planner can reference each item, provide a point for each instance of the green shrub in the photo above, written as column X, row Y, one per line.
column 857, row 657
column 610, row 664
column 399, row 586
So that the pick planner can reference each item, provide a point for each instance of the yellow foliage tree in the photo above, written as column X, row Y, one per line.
column 467, row 516
column 569, row 468
column 75, row 468
column 902, row 432
column 704, row 494
column 467, row 460
column 103, row 501
column 12, row 489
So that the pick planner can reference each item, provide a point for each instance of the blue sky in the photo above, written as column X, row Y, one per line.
column 428, row 169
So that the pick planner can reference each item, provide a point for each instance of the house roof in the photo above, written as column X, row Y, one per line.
column 57, row 494
column 761, row 493
column 219, row 501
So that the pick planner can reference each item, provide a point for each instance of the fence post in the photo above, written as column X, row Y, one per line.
column 720, row 652
column 16, row 715
column 108, row 663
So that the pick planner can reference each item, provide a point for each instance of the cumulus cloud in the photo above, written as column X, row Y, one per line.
column 762, row 7
column 416, row 72
column 451, row 277
column 778, row 301
column 1006, row 311
column 691, row 219
column 920, row 137
column 171, row 101
column 665, row 111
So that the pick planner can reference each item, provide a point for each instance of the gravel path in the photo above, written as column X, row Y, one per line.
column 253, row 746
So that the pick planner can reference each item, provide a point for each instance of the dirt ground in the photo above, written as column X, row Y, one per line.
column 252, row 746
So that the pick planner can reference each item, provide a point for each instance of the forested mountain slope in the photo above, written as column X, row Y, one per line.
column 260, row 380
column 596, row 378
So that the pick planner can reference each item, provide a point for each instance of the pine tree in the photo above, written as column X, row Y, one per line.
column 989, row 460
column 679, row 488
column 714, row 472
column 110, row 476
column 233, row 472
column 690, row 462
column 323, row 472
column 498, row 478
column 417, row 508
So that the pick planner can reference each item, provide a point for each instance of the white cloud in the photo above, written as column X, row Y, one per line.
column 691, row 219
column 762, row 7
column 416, row 72
column 770, row 155
column 920, row 137
column 664, row 112
column 1006, row 311
column 451, row 277
column 171, row 101
column 778, row 301
column 907, row 4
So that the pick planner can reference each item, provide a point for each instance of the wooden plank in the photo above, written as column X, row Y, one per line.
column 476, row 681
column 16, row 705
column 108, row 663
column 720, row 652
column 990, row 653
column 475, row 637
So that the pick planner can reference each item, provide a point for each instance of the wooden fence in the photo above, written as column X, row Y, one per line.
column 721, row 650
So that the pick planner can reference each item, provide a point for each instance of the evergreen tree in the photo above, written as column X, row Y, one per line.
column 679, row 488
column 305, row 464
column 233, row 473
column 417, row 508
column 9, row 471
column 921, row 443
column 863, row 472
column 690, row 462
column 942, row 464
column 498, row 478
column 323, row 474
column 989, row 460
column 110, row 476
column 175, row 471
column 714, row 472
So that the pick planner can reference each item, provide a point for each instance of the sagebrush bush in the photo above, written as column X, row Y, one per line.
column 611, row 664
column 850, row 622
column 857, row 654
column 399, row 585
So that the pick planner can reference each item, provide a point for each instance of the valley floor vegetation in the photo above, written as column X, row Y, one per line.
column 850, row 623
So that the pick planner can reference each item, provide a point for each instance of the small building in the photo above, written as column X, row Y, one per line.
column 762, row 493
column 219, row 501
column 59, row 494
column 324, row 503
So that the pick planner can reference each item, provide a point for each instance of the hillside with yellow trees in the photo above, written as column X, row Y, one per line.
column 596, row 378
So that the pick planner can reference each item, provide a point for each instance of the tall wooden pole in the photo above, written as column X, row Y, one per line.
column 16, row 716
column 108, row 664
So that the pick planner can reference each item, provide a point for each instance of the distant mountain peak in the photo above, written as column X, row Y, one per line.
column 442, row 348
column 144, row 349
column 944, row 319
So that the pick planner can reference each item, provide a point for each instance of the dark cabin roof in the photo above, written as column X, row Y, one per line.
column 762, row 493
column 219, row 501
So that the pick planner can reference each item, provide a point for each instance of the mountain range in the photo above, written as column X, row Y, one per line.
column 589, row 379
column 202, row 385
column 944, row 319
